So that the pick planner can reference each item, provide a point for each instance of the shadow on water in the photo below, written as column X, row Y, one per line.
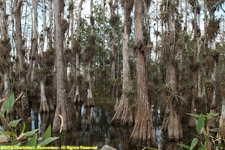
column 91, row 127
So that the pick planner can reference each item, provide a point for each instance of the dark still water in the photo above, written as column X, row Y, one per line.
column 91, row 127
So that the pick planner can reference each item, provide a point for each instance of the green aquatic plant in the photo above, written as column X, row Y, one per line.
column 204, row 140
column 8, row 136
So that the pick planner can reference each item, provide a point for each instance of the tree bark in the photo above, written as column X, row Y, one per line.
column 125, row 113
column 113, row 5
column 77, row 98
column 61, row 108
column 222, row 117
column 90, row 101
column 103, row 49
column 174, row 127
column 43, row 101
column 194, row 69
column 4, row 47
column 34, row 41
column 20, row 52
column 143, row 132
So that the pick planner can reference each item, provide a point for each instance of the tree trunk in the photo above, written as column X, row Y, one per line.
column 77, row 98
column 194, row 69
column 34, row 41
column 222, row 117
column 4, row 47
column 61, row 108
column 50, row 25
column 90, row 101
column 125, row 112
column 43, row 104
column 43, row 101
column 103, row 49
column 113, row 5
column 143, row 132
column 174, row 121
column 21, row 53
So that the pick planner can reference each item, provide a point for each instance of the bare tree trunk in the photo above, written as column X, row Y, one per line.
column 34, row 41
column 43, row 101
column 77, row 98
column 20, row 52
column 198, row 60
column 143, row 132
column 173, row 123
column 49, row 30
column 103, row 49
column 147, row 24
column 125, row 112
column 61, row 108
column 5, row 48
column 90, row 101
column 222, row 117
column 194, row 68
column 43, row 105
column 113, row 5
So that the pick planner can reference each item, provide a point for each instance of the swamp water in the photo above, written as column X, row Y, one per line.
column 91, row 127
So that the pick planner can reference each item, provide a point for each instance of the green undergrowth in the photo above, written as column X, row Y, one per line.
column 10, row 137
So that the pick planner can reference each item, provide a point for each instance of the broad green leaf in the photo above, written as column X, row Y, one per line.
column 209, row 116
column 3, row 138
column 30, row 132
column 193, row 143
column 184, row 146
column 14, row 123
column 47, row 133
column 47, row 141
column 24, row 127
column 9, row 103
column 200, row 124
column 32, row 141
column 202, row 148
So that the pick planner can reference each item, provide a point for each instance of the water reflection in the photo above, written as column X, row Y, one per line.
column 91, row 127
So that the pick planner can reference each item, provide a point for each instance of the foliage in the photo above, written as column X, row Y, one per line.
column 8, row 135
column 204, row 131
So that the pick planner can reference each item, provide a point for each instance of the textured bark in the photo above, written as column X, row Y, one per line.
column 222, row 117
column 174, row 127
column 4, row 36
column 90, row 101
column 43, row 104
column 174, row 124
column 103, row 49
column 125, row 112
column 43, row 101
column 50, row 25
column 61, row 108
column 199, row 90
column 19, row 47
column 143, row 132
column 113, row 5
column 34, row 41
column 194, row 71
column 77, row 98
